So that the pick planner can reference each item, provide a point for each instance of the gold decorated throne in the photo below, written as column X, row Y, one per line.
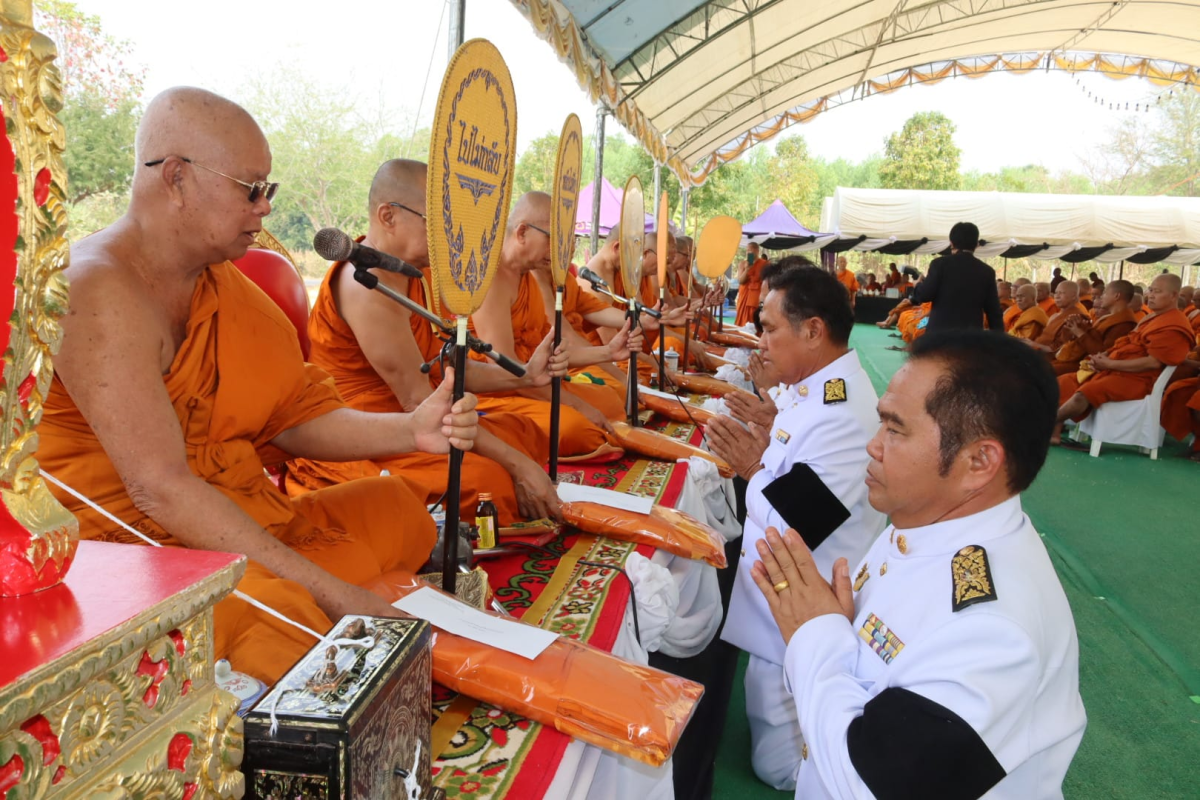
column 106, row 673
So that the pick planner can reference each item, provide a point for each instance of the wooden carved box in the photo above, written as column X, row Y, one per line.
column 351, row 722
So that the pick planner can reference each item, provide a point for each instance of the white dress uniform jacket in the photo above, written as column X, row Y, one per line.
column 959, row 677
column 825, row 422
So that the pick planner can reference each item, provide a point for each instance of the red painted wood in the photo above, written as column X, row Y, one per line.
column 109, row 584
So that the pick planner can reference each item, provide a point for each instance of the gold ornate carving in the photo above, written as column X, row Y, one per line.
column 190, row 612
column 972, row 577
column 221, row 749
column 31, row 95
column 267, row 241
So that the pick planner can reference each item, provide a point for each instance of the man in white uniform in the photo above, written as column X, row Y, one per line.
column 948, row 666
column 806, row 472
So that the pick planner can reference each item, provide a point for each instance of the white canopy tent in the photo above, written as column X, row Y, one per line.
column 1127, row 227
column 698, row 82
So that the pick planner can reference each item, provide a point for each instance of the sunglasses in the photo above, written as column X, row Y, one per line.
column 257, row 189
column 409, row 210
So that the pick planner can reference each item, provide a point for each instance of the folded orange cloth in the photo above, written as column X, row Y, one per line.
column 659, row 445
column 733, row 339
column 664, row 528
column 635, row 711
column 702, row 384
column 675, row 409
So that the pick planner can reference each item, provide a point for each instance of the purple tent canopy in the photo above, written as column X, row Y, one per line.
column 610, row 210
column 776, row 221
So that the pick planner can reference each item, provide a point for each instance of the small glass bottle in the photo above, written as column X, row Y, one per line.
column 487, row 519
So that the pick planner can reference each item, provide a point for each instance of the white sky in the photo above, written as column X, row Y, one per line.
column 382, row 49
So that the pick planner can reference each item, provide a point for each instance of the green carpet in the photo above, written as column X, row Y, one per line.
column 1121, row 531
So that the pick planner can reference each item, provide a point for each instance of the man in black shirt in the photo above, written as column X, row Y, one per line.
column 961, row 287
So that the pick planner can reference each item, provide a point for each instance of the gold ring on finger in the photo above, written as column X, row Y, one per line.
column 779, row 587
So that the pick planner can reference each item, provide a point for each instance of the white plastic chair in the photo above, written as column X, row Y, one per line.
column 1134, row 422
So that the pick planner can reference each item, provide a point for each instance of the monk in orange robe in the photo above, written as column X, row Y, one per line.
column 1129, row 369
column 178, row 379
column 512, row 317
column 847, row 279
column 1004, row 292
column 361, row 339
column 1114, row 321
column 910, row 326
column 1138, row 306
column 1067, row 309
column 1187, row 299
column 1086, row 298
column 1045, row 297
column 1181, row 402
column 749, row 278
column 1031, row 319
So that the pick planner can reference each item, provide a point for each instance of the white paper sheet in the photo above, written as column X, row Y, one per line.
column 656, row 393
column 460, row 619
column 577, row 493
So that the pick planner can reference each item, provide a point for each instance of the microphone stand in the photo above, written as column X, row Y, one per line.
column 662, row 342
column 687, row 329
column 457, row 348
column 556, row 387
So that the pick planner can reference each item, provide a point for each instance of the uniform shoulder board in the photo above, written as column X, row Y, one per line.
column 972, row 577
column 835, row 391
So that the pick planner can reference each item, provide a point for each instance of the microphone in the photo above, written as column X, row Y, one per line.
column 334, row 245
column 595, row 280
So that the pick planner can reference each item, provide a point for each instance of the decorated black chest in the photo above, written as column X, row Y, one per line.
column 350, row 722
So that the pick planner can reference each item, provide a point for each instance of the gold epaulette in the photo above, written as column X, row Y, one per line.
column 972, row 577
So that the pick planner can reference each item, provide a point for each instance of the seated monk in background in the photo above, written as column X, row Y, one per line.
column 513, row 320
column 1085, row 293
column 1128, row 370
column 1186, row 299
column 1054, row 335
column 1045, row 297
column 369, row 344
column 1004, row 292
column 1030, row 319
column 910, row 326
column 178, row 376
column 1137, row 306
column 1181, row 402
column 1013, row 311
column 677, row 297
column 1113, row 320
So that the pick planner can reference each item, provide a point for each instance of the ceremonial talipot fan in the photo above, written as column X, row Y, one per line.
column 471, row 160
column 38, row 537
column 564, row 202
column 633, row 236
column 717, row 245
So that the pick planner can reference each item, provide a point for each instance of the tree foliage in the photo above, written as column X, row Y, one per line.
column 102, row 91
column 922, row 155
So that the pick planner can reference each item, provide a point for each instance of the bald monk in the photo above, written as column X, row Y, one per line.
column 1138, row 306
column 846, row 278
column 1129, row 369
column 1067, row 309
column 1186, row 299
column 1004, row 292
column 178, row 378
column 1085, row 293
column 749, row 278
column 1181, row 403
column 1013, row 311
column 1031, row 319
column 366, row 342
column 1113, row 319
column 1045, row 297
column 1194, row 318
column 512, row 319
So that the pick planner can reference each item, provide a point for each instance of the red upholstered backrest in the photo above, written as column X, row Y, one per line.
column 276, row 276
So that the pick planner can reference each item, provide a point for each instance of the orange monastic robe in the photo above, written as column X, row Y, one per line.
column 1029, row 323
column 238, row 381
column 846, row 278
column 1098, row 339
column 1194, row 318
column 530, row 326
column 909, row 324
column 1048, row 305
column 748, row 292
column 336, row 350
column 1166, row 336
column 1179, row 401
column 1010, row 316
column 1054, row 335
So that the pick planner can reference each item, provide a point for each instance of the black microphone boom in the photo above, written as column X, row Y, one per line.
column 592, row 278
column 334, row 245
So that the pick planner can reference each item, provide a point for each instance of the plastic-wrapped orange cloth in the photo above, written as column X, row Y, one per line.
column 675, row 410
column 635, row 711
column 702, row 384
column 659, row 445
column 734, row 339
column 664, row 528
